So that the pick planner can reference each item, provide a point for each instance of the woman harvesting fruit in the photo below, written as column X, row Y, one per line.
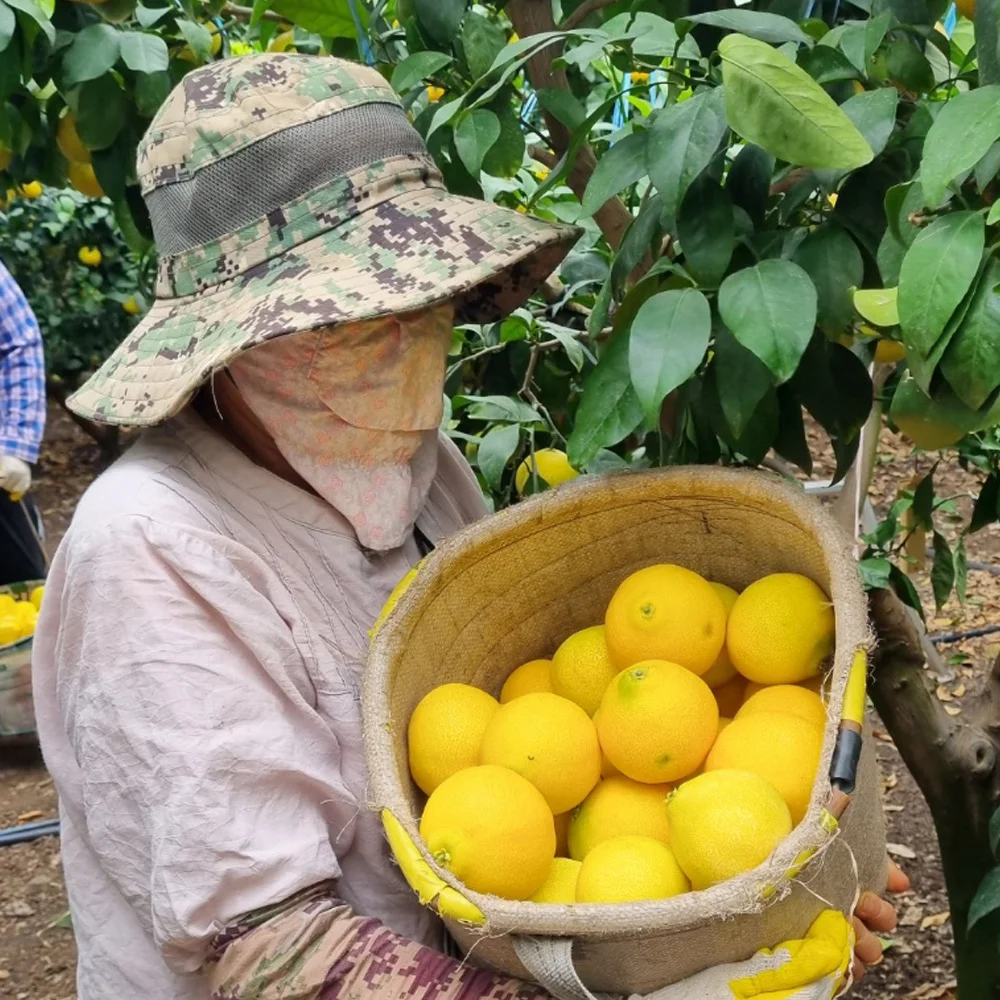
column 200, row 648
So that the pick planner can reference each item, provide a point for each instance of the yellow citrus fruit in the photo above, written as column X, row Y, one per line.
column 723, row 722
column 723, row 823
column 581, row 668
column 131, row 306
column 791, row 698
column 89, row 256
column 10, row 629
column 626, row 869
column 783, row 749
column 657, row 722
column 562, row 834
column 560, row 884
column 814, row 684
column 608, row 770
column 446, row 732
column 282, row 42
column 666, row 612
column 393, row 599
column 7, row 604
column 730, row 696
column 722, row 671
column 552, row 465
column 529, row 678
column 82, row 177
column 619, row 807
column 780, row 630
column 889, row 352
column 69, row 142
column 548, row 740
column 967, row 8
column 213, row 30
column 492, row 830
column 36, row 596
column 31, row 190
column 6, row 157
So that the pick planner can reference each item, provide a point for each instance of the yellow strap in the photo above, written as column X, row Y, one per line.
column 854, row 698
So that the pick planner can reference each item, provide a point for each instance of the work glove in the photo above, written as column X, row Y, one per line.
column 15, row 476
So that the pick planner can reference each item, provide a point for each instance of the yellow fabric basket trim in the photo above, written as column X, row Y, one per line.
column 430, row 888
column 829, row 824
column 854, row 697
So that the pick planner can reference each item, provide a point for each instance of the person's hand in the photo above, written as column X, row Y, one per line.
column 874, row 915
column 15, row 475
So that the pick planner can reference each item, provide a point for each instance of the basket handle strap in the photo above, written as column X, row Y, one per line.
column 550, row 964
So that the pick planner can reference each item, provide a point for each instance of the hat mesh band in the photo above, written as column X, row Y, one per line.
column 235, row 191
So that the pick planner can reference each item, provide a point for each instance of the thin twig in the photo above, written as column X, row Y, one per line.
column 582, row 12
column 245, row 13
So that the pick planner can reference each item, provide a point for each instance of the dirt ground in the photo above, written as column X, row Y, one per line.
column 37, row 954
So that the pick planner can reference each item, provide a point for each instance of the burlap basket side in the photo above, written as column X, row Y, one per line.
column 513, row 587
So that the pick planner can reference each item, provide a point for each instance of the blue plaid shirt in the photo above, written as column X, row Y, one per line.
column 22, row 374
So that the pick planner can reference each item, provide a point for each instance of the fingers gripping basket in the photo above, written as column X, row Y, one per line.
column 509, row 590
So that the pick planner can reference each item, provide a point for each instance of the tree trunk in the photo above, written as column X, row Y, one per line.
column 954, row 761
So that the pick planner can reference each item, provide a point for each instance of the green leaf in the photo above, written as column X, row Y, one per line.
column 332, row 18
column 682, row 141
column 499, row 408
column 878, row 305
column 37, row 14
column 101, row 112
column 942, row 570
column 923, row 501
column 908, row 66
column 563, row 106
column 875, row 573
column 198, row 38
column 651, row 35
column 144, row 53
column 749, row 181
column 8, row 25
column 504, row 157
column 961, row 570
column 93, row 52
column 482, row 41
column 937, row 271
column 963, row 132
column 620, row 166
column 890, row 258
column 495, row 450
column 790, row 442
column 873, row 114
column 151, row 90
column 742, row 380
column 414, row 69
column 994, row 215
column 986, row 509
column 827, row 65
column 706, row 229
column 986, row 899
column 609, row 410
column 148, row 16
column 988, row 42
column 971, row 363
column 670, row 335
column 767, row 27
column 994, row 832
column 905, row 590
column 771, row 310
column 777, row 105
column 832, row 259
column 902, row 202
column 440, row 18
column 475, row 134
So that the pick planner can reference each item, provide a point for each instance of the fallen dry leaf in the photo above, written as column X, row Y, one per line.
column 889, row 782
column 931, row 991
column 958, row 692
column 911, row 916
column 32, row 814
column 935, row 920
column 901, row 851
column 953, row 710
column 943, row 693
column 881, row 735
column 890, row 808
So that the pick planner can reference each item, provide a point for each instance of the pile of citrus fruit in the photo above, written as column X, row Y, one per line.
column 669, row 749
column 18, row 617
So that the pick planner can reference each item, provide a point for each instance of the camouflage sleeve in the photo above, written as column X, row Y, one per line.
column 313, row 947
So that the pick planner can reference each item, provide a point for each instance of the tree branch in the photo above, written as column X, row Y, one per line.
column 245, row 13
column 582, row 12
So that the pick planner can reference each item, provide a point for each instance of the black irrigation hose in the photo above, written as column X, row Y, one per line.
column 28, row 832
column 972, row 633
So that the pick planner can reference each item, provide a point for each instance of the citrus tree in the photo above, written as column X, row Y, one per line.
column 788, row 212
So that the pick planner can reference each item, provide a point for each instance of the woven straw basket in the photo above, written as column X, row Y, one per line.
column 510, row 589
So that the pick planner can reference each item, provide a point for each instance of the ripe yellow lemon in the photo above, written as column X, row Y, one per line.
column 550, row 741
column 89, row 256
column 393, row 599
column 6, row 157
column 967, row 8
column 657, row 722
column 791, row 698
column 529, row 678
column 814, row 684
column 552, row 466
column 783, row 749
column 7, row 604
column 626, row 869
column 780, row 630
column 69, row 142
column 31, row 190
column 723, row 823
column 666, row 612
column 581, row 668
column 889, row 352
column 723, row 722
column 731, row 695
column 722, row 671
column 82, row 177
column 446, row 732
column 492, row 830
column 619, row 807
column 608, row 770
column 10, row 629
column 36, row 596
column 560, row 884
column 131, row 306
column 562, row 834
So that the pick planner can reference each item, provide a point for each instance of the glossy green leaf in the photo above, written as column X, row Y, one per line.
column 101, row 112
column 8, row 25
column 440, row 18
column 609, row 410
column 994, row 832
column 963, row 132
column 504, row 157
column 93, row 52
column 986, row 900
column 942, row 570
column 741, row 378
column 475, row 134
column 791, row 442
column 144, row 53
column 651, row 35
column 832, row 259
column 938, row 422
column 988, row 42
column 890, row 258
column 706, row 230
column 563, row 106
column 985, row 511
column 971, row 364
column 148, row 16
column 37, row 14
column 771, row 310
column 669, row 338
column 994, row 214
column 199, row 39
column 416, row 68
column 482, row 41
column 495, row 450
column 902, row 203
column 937, row 271
column 923, row 501
column 908, row 66
column 906, row 590
column 151, row 90
column 749, row 181
column 682, row 141
column 961, row 561
column 827, row 65
column 757, row 24
column 874, row 573
column 333, row 18
column 878, row 305
column 621, row 166
column 499, row 408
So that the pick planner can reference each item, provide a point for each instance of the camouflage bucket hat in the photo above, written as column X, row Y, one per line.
column 289, row 192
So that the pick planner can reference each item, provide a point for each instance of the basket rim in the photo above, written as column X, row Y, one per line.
column 743, row 894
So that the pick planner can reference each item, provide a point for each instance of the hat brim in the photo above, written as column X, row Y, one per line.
column 406, row 253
